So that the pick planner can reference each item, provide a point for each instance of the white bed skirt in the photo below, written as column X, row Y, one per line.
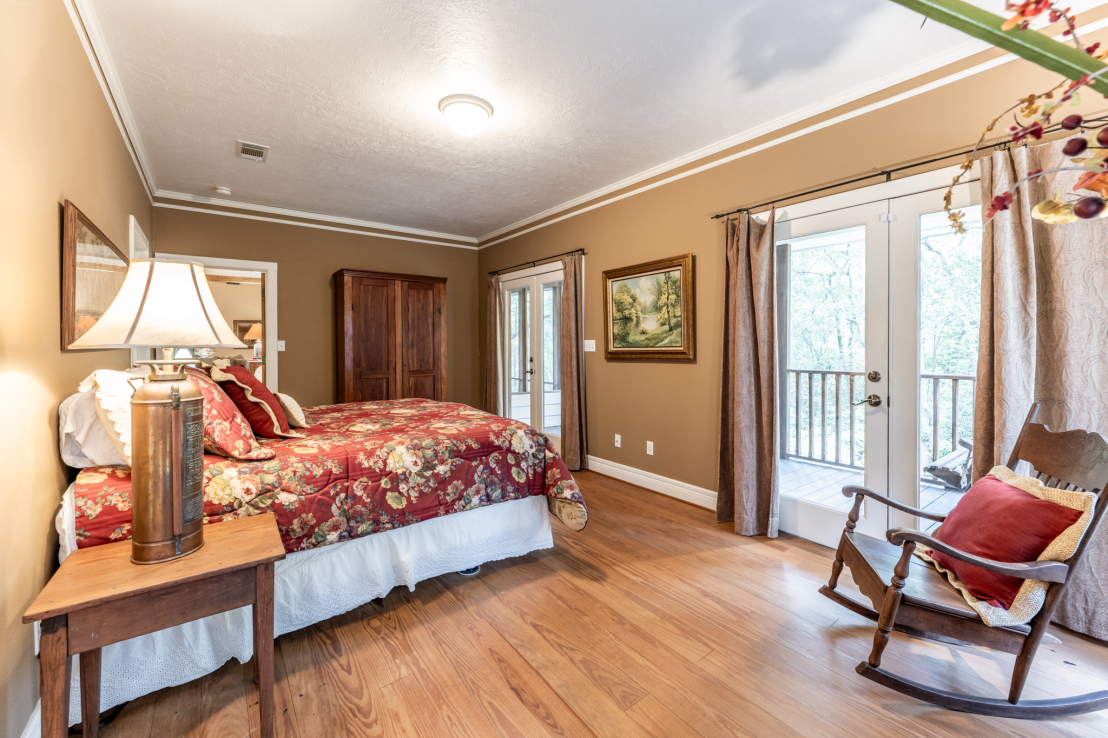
column 311, row 586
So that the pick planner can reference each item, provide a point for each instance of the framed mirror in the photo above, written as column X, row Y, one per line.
column 92, row 273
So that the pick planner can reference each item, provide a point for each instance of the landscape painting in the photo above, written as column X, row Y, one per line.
column 649, row 311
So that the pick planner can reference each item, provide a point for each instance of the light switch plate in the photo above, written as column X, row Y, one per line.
column 280, row 345
column 650, row 448
column 590, row 345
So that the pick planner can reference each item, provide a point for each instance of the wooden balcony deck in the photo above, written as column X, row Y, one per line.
column 821, row 484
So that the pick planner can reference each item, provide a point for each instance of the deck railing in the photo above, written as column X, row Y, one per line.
column 935, row 402
column 820, row 413
column 820, row 403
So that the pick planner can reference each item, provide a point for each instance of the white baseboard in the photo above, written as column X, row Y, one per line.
column 34, row 725
column 655, row 482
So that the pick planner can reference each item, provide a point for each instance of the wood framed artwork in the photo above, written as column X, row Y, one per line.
column 93, row 270
column 650, row 311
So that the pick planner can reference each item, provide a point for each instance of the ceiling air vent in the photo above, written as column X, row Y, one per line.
column 253, row 152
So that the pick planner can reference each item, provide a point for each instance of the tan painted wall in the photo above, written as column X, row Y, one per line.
column 58, row 141
column 306, row 259
column 677, row 406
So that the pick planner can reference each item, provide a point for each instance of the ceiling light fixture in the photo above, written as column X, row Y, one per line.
column 466, row 114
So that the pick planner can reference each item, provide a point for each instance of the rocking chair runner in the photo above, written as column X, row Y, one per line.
column 912, row 597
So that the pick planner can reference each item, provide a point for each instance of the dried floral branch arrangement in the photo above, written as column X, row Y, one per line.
column 1037, row 112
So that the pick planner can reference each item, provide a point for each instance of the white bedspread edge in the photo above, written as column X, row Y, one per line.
column 311, row 586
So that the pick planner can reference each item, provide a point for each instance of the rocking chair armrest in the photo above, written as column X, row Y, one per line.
column 1043, row 571
column 852, row 491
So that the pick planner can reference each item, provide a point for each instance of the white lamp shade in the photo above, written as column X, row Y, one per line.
column 161, row 303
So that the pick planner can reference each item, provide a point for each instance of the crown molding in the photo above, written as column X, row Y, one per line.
column 289, row 213
column 777, row 124
column 92, row 39
column 305, row 224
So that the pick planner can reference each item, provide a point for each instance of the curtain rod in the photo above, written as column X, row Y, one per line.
column 888, row 173
column 536, row 261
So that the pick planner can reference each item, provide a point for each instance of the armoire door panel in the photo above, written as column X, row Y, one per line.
column 373, row 331
column 371, row 389
column 374, row 343
column 423, row 386
column 419, row 327
column 421, row 303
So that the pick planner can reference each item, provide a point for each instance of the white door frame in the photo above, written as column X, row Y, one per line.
column 138, row 246
column 271, row 333
column 534, row 277
column 904, row 321
column 820, row 523
column 900, row 378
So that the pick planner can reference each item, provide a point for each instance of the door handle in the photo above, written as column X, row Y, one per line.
column 872, row 401
column 529, row 371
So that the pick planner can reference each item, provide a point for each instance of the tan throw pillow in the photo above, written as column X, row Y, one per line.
column 112, row 390
column 293, row 411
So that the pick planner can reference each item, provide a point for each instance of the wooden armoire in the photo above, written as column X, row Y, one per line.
column 390, row 338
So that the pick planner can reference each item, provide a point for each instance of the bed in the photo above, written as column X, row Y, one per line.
column 370, row 496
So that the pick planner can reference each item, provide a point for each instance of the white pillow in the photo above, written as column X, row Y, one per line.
column 293, row 411
column 112, row 391
column 82, row 438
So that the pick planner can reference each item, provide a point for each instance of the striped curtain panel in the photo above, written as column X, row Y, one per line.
column 575, row 445
column 747, row 488
column 494, row 396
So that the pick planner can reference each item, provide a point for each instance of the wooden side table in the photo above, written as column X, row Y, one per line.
column 98, row 597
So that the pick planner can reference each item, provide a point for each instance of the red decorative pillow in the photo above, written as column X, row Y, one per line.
column 226, row 431
column 254, row 400
column 997, row 521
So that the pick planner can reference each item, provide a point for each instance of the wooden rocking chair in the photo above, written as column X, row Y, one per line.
column 910, row 596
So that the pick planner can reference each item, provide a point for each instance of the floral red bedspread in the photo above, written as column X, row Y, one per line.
column 360, row 468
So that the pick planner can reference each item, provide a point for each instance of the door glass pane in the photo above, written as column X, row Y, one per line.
column 551, row 358
column 519, row 354
column 825, row 325
column 950, row 312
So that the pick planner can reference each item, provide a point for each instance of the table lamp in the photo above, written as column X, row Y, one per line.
column 255, row 335
column 164, row 304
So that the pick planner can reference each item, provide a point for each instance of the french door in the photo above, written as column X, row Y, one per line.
column 532, row 347
column 859, row 394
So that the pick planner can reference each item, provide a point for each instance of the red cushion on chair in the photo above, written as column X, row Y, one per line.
column 258, row 405
column 997, row 521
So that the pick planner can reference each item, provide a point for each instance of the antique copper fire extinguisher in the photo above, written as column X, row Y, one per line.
column 167, row 463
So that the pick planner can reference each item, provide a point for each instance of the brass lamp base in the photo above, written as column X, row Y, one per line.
column 167, row 467
column 156, row 553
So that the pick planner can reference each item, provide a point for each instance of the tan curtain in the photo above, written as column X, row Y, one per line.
column 1044, row 333
column 494, row 304
column 575, row 446
column 748, row 407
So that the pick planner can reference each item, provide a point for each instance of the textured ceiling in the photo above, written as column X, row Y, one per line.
column 586, row 93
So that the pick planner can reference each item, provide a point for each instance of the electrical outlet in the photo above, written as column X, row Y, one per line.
column 280, row 345
column 650, row 448
column 618, row 440
column 590, row 345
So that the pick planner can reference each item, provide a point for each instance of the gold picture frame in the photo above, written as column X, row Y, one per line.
column 93, row 270
column 650, row 311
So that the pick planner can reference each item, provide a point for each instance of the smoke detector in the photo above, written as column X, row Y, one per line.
column 223, row 190
column 251, row 151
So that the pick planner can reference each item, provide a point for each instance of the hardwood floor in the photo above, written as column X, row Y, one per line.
column 654, row 621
